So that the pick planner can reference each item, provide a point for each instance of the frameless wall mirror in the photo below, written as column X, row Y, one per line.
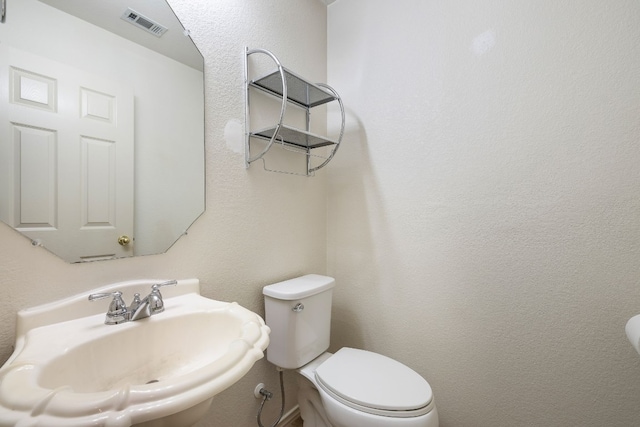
column 101, row 126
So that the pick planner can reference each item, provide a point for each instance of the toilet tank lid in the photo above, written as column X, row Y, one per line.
column 300, row 287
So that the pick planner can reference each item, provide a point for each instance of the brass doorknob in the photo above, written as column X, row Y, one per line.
column 124, row 240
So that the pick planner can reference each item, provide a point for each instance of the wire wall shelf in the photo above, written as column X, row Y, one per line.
column 290, row 88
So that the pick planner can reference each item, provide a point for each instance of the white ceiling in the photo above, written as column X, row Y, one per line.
column 106, row 14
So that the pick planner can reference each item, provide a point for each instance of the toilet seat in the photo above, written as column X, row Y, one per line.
column 375, row 384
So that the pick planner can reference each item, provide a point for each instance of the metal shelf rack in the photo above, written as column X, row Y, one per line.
column 291, row 89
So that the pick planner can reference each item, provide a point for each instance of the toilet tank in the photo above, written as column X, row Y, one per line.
column 298, row 311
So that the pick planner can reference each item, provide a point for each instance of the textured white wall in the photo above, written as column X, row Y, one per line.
column 484, row 219
column 259, row 227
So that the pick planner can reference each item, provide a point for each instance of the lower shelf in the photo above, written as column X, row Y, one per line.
column 293, row 136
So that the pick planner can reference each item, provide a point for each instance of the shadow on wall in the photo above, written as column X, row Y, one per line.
column 345, row 329
column 362, row 220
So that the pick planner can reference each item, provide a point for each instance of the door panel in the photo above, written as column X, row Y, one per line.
column 34, row 184
column 72, row 136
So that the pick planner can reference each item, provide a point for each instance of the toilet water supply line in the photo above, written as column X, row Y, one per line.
column 267, row 395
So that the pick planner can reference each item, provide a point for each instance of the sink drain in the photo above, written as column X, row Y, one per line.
column 152, row 381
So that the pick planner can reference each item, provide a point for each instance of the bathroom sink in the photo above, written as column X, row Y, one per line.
column 70, row 369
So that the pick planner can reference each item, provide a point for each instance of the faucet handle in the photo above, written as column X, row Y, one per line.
column 167, row 283
column 156, row 304
column 117, row 312
column 155, row 289
column 117, row 302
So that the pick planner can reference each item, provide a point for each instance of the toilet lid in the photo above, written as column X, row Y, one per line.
column 373, row 381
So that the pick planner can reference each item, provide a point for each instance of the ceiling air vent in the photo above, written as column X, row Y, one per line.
column 143, row 22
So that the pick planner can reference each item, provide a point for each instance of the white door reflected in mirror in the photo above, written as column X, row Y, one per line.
column 70, row 185
column 59, row 150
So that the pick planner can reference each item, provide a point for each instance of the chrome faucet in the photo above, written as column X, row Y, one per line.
column 118, row 312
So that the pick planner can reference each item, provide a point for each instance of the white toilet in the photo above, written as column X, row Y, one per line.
column 351, row 388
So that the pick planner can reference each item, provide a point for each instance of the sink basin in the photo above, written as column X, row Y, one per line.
column 70, row 369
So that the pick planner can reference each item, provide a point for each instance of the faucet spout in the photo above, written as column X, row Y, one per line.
column 152, row 303
column 147, row 307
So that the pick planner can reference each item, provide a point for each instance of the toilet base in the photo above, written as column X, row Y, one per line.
column 311, row 408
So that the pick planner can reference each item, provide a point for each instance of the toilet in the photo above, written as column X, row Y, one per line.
column 350, row 388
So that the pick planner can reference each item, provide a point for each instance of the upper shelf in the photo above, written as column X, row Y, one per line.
column 299, row 91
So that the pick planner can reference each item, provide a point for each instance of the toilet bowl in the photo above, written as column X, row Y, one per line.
column 350, row 388
column 361, row 388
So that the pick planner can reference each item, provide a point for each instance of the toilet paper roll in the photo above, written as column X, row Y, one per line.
column 633, row 332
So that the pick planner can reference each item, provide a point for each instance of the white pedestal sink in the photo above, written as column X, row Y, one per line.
column 70, row 369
